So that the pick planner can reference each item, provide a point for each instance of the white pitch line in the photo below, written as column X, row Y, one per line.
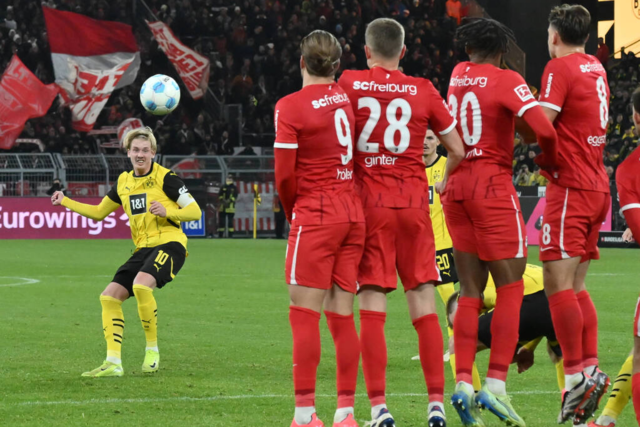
column 23, row 281
column 213, row 398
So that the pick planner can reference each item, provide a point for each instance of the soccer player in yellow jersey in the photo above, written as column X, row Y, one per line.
column 435, row 166
column 156, row 201
column 535, row 321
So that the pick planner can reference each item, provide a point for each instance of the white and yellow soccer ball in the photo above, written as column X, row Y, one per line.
column 160, row 95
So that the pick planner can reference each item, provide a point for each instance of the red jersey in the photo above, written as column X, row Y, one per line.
column 628, row 181
column 393, row 112
column 318, row 122
column 486, row 99
column 576, row 87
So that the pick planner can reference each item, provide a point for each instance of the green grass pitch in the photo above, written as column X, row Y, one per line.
column 225, row 342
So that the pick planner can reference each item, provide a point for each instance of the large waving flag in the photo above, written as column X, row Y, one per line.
column 22, row 96
column 91, row 59
column 192, row 67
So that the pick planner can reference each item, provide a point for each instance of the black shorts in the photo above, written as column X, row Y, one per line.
column 535, row 322
column 162, row 262
column 446, row 265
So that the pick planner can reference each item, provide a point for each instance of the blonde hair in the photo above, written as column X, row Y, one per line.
column 385, row 37
column 321, row 52
column 145, row 134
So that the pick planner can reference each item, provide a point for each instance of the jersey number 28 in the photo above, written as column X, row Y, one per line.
column 395, row 125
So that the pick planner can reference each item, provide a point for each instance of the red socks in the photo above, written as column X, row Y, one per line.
column 431, row 350
column 345, row 338
column 465, row 331
column 635, row 391
column 374, row 354
column 590, row 331
column 305, row 326
column 504, row 329
column 568, row 323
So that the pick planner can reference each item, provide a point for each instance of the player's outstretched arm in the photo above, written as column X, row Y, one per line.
column 286, row 178
column 97, row 213
column 455, row 154
column 190, row 212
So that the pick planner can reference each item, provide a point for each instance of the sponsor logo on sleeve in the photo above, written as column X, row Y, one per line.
column 547, row 92
column 183, row 190
column 524, row 93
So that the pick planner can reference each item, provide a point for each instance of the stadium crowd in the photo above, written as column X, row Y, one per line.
column 253, row 47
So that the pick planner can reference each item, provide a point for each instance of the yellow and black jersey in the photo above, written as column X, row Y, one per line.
column 135, row 194
column 533, row 282
column 435, row 173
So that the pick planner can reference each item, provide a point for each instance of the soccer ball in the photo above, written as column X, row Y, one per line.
column 160, row 95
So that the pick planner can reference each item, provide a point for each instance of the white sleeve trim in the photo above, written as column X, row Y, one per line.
column 285, row 145
column 551, row 106
column 526, row 107
column 630, row 206
column 185, row 200
column 450, row 128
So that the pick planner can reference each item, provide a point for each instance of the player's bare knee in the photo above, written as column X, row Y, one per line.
column 339, row 301
column 421, row 300
column 507, row 271
column 115, row 290
column 145, row 279
column 372, row 298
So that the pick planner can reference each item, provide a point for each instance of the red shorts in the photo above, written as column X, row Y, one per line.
column 402, row 240
column 491, row 228
column 320, row 255
column 571, row 223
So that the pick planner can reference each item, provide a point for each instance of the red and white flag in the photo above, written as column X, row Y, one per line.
column 126, row 126
column 91, row 58
column 22, row 96
column 192, row 67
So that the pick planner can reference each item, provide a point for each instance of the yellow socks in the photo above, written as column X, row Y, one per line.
column 560, row 374
column 477, row 384
column 113, row 327
column 148, row 311
column 446, row 291
column 621, row 392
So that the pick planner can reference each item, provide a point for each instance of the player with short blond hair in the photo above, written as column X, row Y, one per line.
column 156, row 201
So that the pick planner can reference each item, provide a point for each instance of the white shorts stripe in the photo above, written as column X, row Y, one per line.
column 565, row 255
column 630, row 206
column 290, row 146
column 520, row 253
column 450, row 128
column 292, row 280
column 551, row 106
column 526, row 107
